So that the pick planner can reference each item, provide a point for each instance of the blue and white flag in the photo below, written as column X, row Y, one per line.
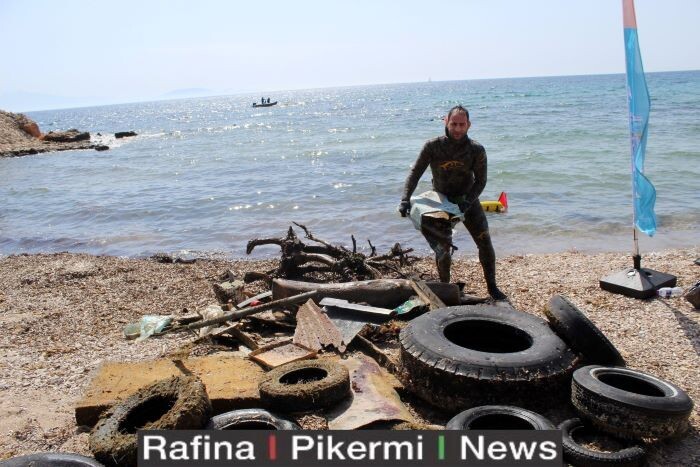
column 644, row 194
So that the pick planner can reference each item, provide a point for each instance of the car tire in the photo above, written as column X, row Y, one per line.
column 250, row 419
column 466, row 356
column 628, row 403
column 581, row 456
column 499, row 417
column 177, row 403
column 572, row 325
column 51, row 459
column 284, row 388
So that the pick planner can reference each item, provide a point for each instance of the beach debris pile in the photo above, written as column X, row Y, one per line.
column 354, row 355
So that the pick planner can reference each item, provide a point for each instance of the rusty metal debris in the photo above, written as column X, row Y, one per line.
column 350, row 322
column 373, row 398
column 315, row 330
column 366, row 346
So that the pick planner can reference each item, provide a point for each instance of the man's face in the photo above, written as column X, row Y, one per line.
column 458, row 125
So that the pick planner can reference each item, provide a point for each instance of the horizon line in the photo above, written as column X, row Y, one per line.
column 241, row 93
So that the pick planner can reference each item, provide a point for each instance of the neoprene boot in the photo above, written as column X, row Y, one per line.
column 496, row 293
column 444, row 264
column 489, row 268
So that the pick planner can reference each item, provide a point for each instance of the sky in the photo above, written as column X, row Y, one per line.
column 78, row 52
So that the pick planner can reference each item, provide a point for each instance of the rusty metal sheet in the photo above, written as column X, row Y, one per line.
column 373, row 398
column 315, row 330
column 274, row 355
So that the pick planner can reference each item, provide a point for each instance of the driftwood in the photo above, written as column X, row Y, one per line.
column 299, row 258
column 238, row 314
column 233, row 331
column 385, row 293
column 427, row 295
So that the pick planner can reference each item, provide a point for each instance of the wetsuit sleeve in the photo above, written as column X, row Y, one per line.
column 479, row 177
column 416, row 173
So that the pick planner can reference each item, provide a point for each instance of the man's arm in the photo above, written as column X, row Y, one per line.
column 479, row 177
column 416, row 173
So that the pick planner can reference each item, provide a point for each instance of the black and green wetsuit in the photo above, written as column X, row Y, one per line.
column 459, row 172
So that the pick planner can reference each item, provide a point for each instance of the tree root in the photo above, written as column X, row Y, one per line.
column 299, row 259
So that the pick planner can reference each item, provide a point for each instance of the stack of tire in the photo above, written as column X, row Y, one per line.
column 466, row 357
column 628, row 406
column 625, row 404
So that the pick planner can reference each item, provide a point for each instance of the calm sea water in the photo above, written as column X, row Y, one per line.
column 206, row 175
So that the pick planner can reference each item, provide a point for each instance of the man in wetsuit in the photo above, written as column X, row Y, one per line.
column 458, row 165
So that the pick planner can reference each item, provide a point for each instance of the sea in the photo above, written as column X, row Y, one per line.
column 204, row 176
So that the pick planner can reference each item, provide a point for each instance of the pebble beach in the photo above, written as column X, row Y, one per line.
column 63, row 316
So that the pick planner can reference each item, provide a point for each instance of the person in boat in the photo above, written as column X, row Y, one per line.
column 458, row 166
column 262, row 100
column 268, row 100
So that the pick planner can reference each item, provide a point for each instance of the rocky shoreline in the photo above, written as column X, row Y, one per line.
column 63, row 316
column 20, row 136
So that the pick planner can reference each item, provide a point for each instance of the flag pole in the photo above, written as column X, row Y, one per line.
column 637, row 282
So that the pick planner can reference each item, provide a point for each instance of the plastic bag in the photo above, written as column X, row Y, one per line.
column 147, row 326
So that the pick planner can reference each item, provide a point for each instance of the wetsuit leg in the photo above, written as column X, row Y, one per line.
column 438, row 233
column 477, row 225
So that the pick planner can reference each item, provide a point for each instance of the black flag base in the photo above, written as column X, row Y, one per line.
column 637, row 282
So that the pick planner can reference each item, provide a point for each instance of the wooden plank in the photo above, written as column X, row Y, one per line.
column 386, row 293
column 239, row 335
column 238, row 314
column 427, row 295
column 277, row 354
